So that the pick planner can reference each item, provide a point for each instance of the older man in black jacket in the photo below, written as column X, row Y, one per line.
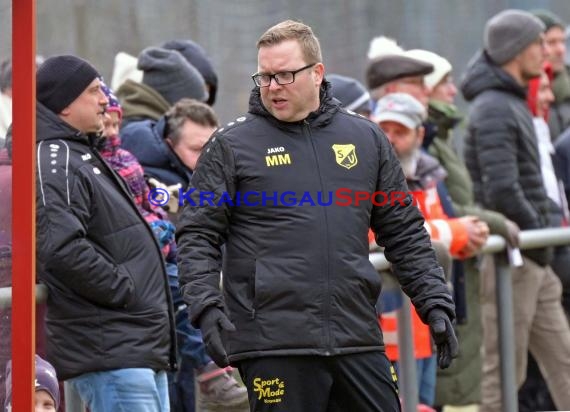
column 110, row 320
column 502, row 157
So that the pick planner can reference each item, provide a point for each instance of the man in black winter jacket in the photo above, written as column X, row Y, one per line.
column 110, row 321
column 297, row 314
column 502, row 156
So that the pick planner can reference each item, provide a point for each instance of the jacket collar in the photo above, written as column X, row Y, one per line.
column 49, row 126
column 319, row 118
column 482, row 74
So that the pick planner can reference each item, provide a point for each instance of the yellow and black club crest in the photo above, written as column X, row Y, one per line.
column 345, row 155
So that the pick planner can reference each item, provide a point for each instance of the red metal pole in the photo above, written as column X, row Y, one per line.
column 23, row 203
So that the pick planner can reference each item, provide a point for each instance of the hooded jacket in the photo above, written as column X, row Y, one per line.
column 297, row 279
column 501, row 151
column 145, row 140
column 109, row 304
column 458, row 181
column 140, row 102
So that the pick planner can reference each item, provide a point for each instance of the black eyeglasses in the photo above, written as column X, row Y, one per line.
column 282, row 78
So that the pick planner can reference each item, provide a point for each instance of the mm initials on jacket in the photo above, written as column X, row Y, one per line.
column 277, row 157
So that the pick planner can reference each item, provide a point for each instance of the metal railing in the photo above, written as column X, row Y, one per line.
column 6, row 296
column 528, row 240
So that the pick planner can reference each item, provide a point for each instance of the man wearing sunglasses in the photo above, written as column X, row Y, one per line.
column 297, row 314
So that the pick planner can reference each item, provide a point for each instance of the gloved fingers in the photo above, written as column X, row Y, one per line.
column 444, row 356
column 226, row 324
column 452, row 342
column 215, row 349
column 438, row 328
column 448, row 349
column 220, row 359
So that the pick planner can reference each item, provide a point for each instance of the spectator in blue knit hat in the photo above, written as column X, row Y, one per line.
column 46, row 387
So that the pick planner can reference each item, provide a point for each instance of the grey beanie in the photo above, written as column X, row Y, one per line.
column 170, row 74
column 196, row 56
column 509, row 32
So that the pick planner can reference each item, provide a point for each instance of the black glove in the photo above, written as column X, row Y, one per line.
column 444, row 337
column 212, row 322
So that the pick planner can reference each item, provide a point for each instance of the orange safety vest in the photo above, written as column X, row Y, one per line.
column 422, row 339
column 449, row 231
column 452, row 233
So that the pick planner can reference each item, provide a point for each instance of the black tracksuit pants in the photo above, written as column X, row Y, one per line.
column 360, row 382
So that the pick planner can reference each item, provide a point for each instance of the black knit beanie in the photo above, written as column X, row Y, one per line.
column 61, row 79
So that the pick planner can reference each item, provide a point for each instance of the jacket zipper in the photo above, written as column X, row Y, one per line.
column 327, row 305
column 252, row 290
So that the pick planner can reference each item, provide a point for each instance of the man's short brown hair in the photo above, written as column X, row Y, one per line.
column 188, row 109
column 293, row 30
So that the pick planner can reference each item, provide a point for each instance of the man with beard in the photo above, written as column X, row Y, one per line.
column 400, row 116
column 502, row 156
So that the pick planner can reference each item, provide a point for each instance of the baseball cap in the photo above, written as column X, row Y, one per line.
column 400, row 108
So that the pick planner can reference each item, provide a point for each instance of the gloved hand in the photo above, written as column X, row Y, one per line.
column 444, row 337
column 212, row 322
